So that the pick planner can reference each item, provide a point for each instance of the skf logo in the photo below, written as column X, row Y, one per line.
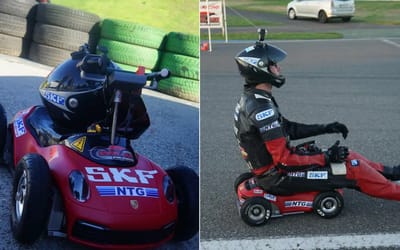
column 264, row 114
column 317, row 175
column 100, row 174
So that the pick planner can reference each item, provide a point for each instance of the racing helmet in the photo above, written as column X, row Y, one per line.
column 73, row 102
column 254, row 62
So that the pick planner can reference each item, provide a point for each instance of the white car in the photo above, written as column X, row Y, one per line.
column 321, row 9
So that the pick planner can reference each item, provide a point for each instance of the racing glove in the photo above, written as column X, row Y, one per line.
column 337, row 127
column 336, row 153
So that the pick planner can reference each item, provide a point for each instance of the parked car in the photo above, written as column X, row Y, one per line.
column 323, row 10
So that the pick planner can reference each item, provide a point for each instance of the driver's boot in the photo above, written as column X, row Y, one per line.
column 391, row 173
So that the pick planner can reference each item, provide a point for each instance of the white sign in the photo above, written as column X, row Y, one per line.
column 211, row 15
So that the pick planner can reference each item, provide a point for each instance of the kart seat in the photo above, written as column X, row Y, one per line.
column 44, row 129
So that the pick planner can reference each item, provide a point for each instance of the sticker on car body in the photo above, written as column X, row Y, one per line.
column 127, row 191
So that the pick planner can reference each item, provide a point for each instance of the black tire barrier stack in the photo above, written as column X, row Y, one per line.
column 59, row 31
column 181, row 57
column 16, row 26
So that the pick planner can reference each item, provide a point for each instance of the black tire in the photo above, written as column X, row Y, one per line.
column 3, row 132
column 132, row 33
column 15, row 26
column 186, row 183
column 256, row 211
column 180, row 65
column 241, row 178
column 48, row 55
column 21, row 8
column 184, row 88
column 322, row 18
column 13, row 46
column 31, row 198
column 292, row 14
column 131, row 54
column 63, row 38
column 328, row 204
column 185, row 44
column 68, row 18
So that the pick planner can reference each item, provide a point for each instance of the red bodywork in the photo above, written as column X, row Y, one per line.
column 281, row 204
column 129, row 212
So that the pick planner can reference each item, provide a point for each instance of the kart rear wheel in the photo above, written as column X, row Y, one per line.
column 3, row 131
column 328, row 204
column 256, row 211
column 241, row 178
column 186, row 183
column 31, row 198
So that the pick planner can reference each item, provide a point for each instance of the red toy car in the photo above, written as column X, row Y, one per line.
column 256, row 205
column 89, row 185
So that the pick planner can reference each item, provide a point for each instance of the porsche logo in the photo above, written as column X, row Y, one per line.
column 134, row 204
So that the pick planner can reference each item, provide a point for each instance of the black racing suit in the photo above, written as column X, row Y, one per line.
column 264, row 134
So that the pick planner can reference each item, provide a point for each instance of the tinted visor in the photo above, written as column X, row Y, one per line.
column 272, row 55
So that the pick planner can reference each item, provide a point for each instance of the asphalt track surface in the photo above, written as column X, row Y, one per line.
column 352, row 81
column 172, row 139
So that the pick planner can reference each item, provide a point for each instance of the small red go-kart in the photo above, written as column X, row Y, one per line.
column 309, row 190
column 87, row 183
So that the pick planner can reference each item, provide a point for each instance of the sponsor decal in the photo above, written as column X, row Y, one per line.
column 273, row 125
column 54, row 98
column 111, row 153
column 19, row 127
column 264, row 114
column 354, row 163
column 270, row 197
column 248, row 49
column 250, row 60
column 79, row 144
column 317, row 175
column 100, row 174
column 297, row 174
column 257, row 191
column 298, row 203
column 127, row 191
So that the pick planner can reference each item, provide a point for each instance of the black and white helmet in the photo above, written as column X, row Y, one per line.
column 254, row 61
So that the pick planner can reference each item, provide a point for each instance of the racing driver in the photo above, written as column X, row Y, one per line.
column 264, row 135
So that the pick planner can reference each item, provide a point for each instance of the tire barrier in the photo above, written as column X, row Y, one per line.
column 59, row 31
column 132, row 33
column 181, row 57
column 16, row 26
column 131, row 54
column 180, row 87
column 48, row 33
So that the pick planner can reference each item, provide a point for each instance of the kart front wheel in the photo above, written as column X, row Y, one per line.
column 241, row 178
column 256, row 211
column 186, row 183
column 328, row 204
column 31, row 198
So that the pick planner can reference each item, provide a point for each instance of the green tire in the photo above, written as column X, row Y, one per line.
column 130, row 54
column 132, row 33
column 184, row 88
column 131, row 68
column 185, row 44
column 180, row 65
